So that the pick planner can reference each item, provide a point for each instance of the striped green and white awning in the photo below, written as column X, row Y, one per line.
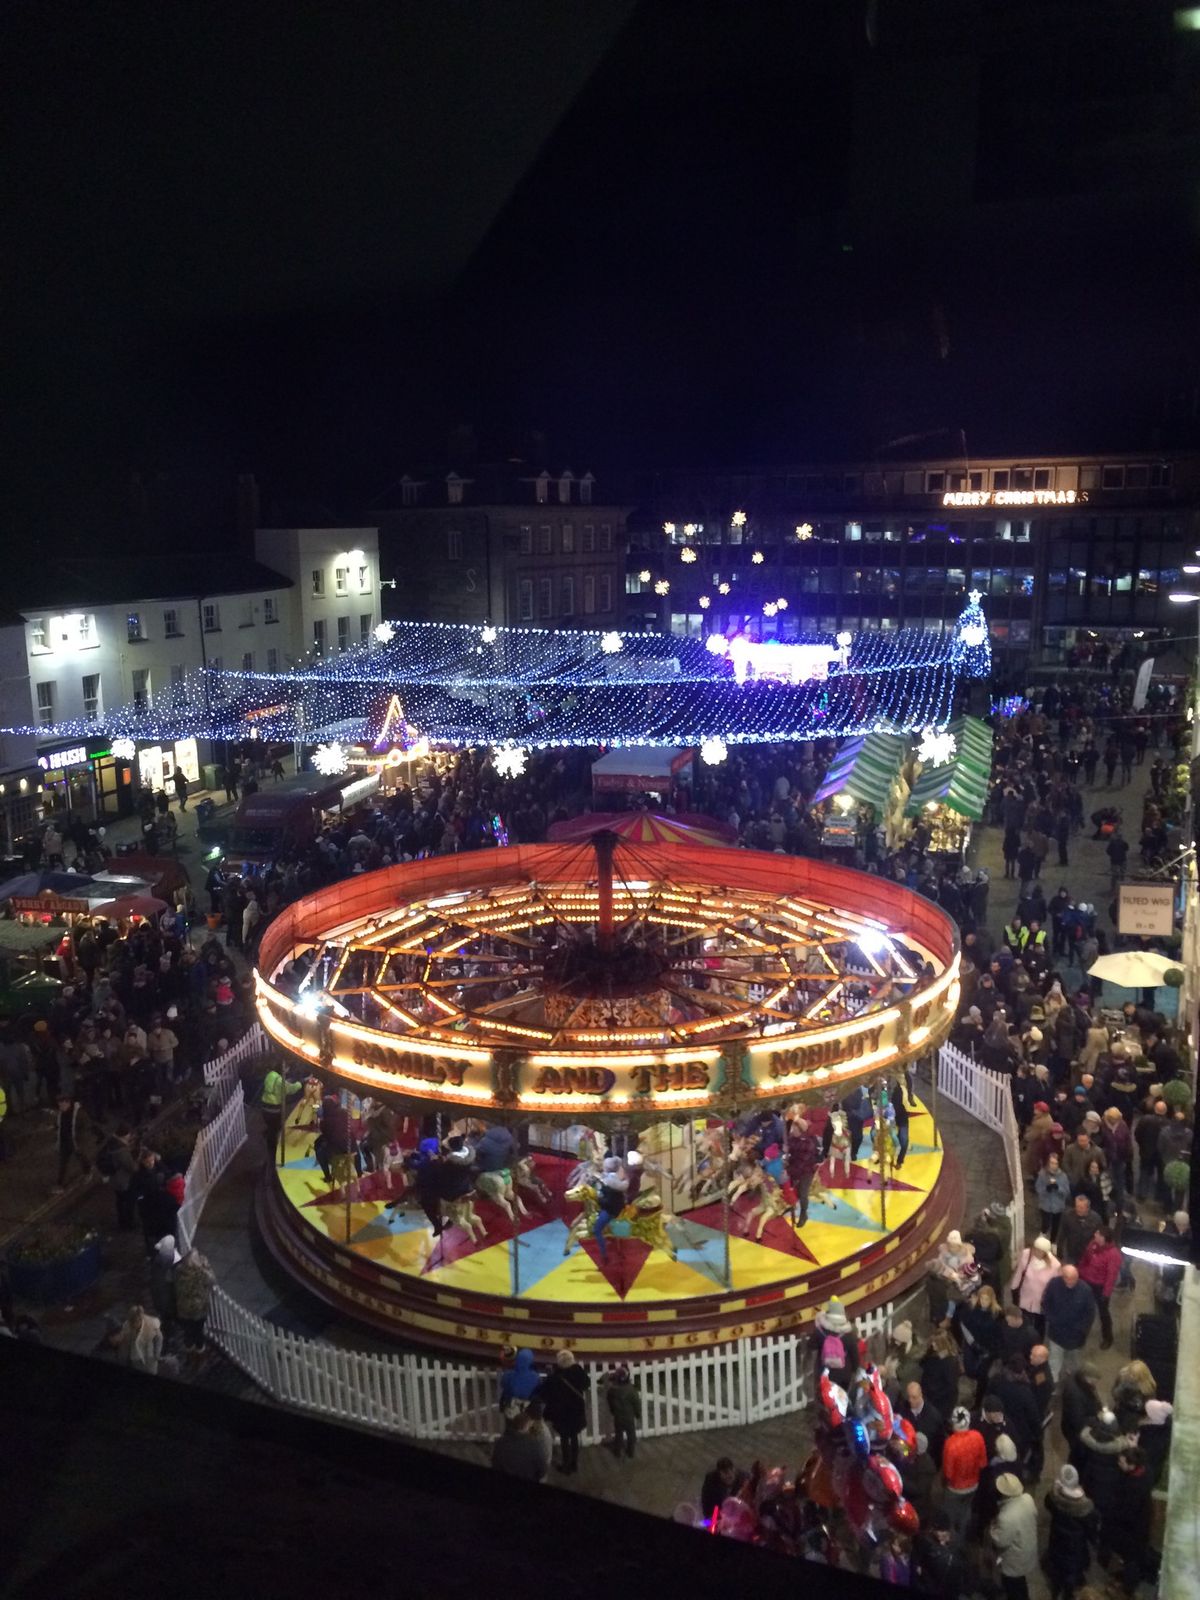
column 865, row 769
column 961, row 784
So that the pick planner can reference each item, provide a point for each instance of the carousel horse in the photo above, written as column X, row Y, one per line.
column 591, row 1158
column 774, row 1200
column 462, row 1214
column 839, row 1148
column 645, row 1219
column 886, row 1147
column 749, row 1177
column 716, row 1165
column 525, row 1176
column 499, row 1188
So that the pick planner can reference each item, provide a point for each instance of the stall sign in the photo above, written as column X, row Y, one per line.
column 1146, row 910
column 52, row 904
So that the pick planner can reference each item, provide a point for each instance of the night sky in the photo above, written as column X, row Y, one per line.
column 307, row 240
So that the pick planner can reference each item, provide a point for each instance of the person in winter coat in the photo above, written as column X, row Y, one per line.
column 519, row 1384
column 119, row 1167
column 1035, row 1133
column 1053, row 1190
column 940, row 1372
column 140, row 1341
column 1125, row 1518
column 1074, row 1529
column 1070, row 1311
column 1076, row 1229
column 496, row 1150
column 1014, row 1535
column 162, row 1280
column 1082, row 1402
column 1022, row 1419
column 624, row 1400
column 1133, row 1388
column 1100, row 1268
column 1154, row 1436
column 1037, row 1266
column 564, row 1395
column 1101, row 1441
column 802, row 1158
column 987, row 1496
column 518, row 1451
column 194, row 1283
column 979, row 1321
column 964, row 1458
column 939, row 1564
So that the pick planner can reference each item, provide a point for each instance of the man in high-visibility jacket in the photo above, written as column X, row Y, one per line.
column 1013, row 932
column 276, row 1091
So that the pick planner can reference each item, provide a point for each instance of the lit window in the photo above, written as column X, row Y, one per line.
column 91, row 696
column 319, row 637
column 341, row 577
column 133, row 626
column 37, row 634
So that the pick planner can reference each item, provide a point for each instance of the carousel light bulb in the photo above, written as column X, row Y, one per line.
column 689, row 529
column 770, row 609
column 611, row 643
column 713, row 751
column 385, row 632
column 330, row 760
column 510, row 761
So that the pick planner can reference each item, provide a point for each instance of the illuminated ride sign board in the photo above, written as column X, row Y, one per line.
column 744, row 1070
column 781, row 663
column 1012, row 497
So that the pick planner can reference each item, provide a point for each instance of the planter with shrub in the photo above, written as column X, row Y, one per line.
column 54, row 1263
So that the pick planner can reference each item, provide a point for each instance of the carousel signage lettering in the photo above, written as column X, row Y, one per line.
column 830, row 1052
column 596, row 1081
column 670, row 1077
column 409, row 1064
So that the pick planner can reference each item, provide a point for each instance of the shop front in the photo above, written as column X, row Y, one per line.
column 85, row 779
column 156, row 764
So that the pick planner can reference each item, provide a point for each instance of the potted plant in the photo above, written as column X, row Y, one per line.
column 1176, row 1176
column 1177, row 1095
column 54, row 1263
column 1173, row 977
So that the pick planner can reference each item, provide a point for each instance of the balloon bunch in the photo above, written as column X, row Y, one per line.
column 848, row 1467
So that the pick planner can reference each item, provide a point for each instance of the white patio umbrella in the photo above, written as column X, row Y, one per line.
column 1132, row 969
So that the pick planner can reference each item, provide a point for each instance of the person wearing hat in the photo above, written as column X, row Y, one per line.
column 1036, row 1267
column 1039, row 1126
column 940, row 1565
column 564, row 1395
column 964, row 1457
column 1074, row 1531
column 624, row 1400
column 987, row 1499
column 1014, row 1534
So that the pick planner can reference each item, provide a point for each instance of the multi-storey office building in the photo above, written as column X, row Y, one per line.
column 1058, row 547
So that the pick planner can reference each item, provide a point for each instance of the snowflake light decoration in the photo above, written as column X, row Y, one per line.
column 644, row 575
column 770, row 608
column 845, row 639
column 384, row 632
column 662, row 587
column 738, row 519
column 124, row 749
column 974, row 634
column 611, row 643
column 937, row 746
column 510, row 761
column 758, row 558
column 713, row 752
column 329, row 760
column 668, row 528
column 487, row 633
column 687, row 555
column 705, row 602
column 781, row 603
column 723, row 588
column 804, row 530
column 717, row 644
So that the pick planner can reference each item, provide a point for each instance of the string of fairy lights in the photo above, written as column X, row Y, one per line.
column 467, row 686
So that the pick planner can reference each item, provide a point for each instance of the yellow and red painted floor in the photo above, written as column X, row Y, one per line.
column 516, row 1285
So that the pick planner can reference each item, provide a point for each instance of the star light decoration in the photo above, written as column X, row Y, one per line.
column 385, row 632
column 937, row 747
column 611, row 643
column 124, row 749
column 330, row 760
column 713, row 751
column 510, row 761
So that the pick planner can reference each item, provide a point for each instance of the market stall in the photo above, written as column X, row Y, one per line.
column 952, row 793
column 863, row 787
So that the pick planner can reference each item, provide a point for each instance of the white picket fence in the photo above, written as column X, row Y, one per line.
column 988, row 1098
column 421, row 1397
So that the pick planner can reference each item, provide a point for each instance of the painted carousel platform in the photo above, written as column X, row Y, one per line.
column 380, row 1262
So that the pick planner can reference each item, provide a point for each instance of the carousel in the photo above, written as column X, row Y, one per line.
column 626, row 1096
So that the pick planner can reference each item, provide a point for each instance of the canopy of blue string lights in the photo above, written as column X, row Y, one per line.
column 464, row 685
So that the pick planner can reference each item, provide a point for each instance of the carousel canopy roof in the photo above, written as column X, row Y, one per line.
column 645, row 827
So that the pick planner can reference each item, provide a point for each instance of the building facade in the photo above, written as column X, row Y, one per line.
column 94, row 636
column 1059, row 549
column 505, row 545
